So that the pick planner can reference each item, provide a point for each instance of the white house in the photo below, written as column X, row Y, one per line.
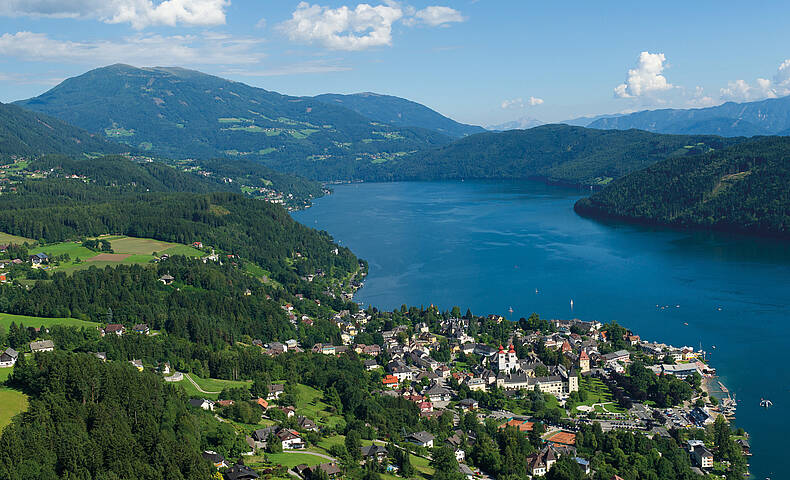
column 42, row 346
column 8, row 358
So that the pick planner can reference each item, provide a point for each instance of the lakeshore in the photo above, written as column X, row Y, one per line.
column 504, row 240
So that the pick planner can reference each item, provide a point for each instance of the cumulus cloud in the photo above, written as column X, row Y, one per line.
column 138, row 13
column 646, row 78
column 438, row 16
column 521, row 103
column 204, row 49
column 742, row 91
column 360, row 27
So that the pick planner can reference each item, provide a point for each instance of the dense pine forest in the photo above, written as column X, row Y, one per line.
column 745, row 188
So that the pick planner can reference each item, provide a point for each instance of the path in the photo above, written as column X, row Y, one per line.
column 198, row 386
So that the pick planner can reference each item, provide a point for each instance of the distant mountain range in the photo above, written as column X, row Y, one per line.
column 765, row 117
column 555, row 153
column 522, row 123
column 745, row 187
column 399, row 112
column 27, row 133
column 182, row 113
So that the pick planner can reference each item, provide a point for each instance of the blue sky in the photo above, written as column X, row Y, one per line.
column 482, row 62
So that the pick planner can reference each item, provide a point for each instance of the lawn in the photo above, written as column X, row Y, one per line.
column 12, row 401
column 422, row 465
column 289, row 460
column 6, row 239
column 7, row 318
column 209, row 385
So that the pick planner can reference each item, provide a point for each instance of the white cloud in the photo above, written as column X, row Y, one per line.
column 138, row 13
column 782, row 78
column 742, row 91
column 521, row 103
column 360, row 27
column 206, row 49
column 290, row 69
column 439, row 16
column 646, row 78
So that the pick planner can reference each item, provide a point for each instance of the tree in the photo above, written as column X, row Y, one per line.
column 353, row 445
column 445, row 465
column 273, row 444
column 565, row 469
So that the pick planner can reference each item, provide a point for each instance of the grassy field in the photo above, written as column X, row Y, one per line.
column 6, row 239
column 422, row 465
column 209, row 385
column 12, row 401
column 136, row 251
column 7, row 318
column 310, row 405
column 289, row 460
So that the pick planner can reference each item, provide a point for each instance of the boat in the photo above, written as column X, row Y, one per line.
column 536, row 291
column 764, row 402
column 511, row 310
column 571, row 304
column 686, row 323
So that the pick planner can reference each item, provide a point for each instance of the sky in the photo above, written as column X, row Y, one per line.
column 482, row 62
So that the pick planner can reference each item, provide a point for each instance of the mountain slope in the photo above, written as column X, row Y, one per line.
column 745, row 187
column 520, row 124
column 557, row 153
column 766, row 117
column 399, row 112
column 183, row 113
column 28, row 133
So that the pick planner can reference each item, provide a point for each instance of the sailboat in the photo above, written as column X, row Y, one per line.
column 571, row 304
column 764, row 402
column 511, row 310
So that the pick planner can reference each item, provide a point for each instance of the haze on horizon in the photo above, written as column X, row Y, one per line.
column 477, row 61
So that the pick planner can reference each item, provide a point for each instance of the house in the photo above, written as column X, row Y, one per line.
column 288, row 411
column 224, row 403
column 216, row 459
column 101, row 356
column 425, row 407
column 203, row 403
column 539, row 463
column 3, row 278
column 261, row 436
column 438, row 394
column 306, row 424
column 702, row 456
column 39, row 259
column 290, row 439
column 42, row 346
column 262, row 403
column 141, row 328
column 421, row 439
column 8, row 357
column 138, row 364
column 466, row 471
column 374, row 452
column 240, row 472
column 583, row 464
column 618, row 356
column 198, row 245
column 167, row 279
column 115, row 328
column 332, row 470
column 275, row 390
column 468, row 404
column 371, row 365
column 390, row 381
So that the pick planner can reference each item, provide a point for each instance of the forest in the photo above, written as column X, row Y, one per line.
column 743, row 188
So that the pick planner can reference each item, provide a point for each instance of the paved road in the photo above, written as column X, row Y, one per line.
column 198, row 386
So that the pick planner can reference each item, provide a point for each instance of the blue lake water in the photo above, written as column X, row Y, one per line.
column 489, row 245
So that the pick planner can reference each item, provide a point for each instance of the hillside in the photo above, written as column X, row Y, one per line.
column 765, row 117
column 399, row 112
column 182, row 113
column 26, row 133
column 745, row 187
column 557, row 153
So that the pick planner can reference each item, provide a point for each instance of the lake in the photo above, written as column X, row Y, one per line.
column 490, row 246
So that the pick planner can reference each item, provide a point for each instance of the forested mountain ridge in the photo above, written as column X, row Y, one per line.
column 557, row 153
column 26, row 133
column 764, row 117
column 399, row 112
column 745, row 187
column 180, row 113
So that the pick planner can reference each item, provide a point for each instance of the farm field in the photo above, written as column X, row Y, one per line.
column 127, row 251
column 6, row 239
column 6, row 319
column 12, row 401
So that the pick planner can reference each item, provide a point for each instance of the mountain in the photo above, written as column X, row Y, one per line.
column 522, row 123
column 181, row 113
column 765, row 117
column 556, row 153
column 745, row 187
column 27, row 133
column 399, row 112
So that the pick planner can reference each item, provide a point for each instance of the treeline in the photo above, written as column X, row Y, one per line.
column 557, row 153
column 89, row 419
column 57, row 210
column 743, row 188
